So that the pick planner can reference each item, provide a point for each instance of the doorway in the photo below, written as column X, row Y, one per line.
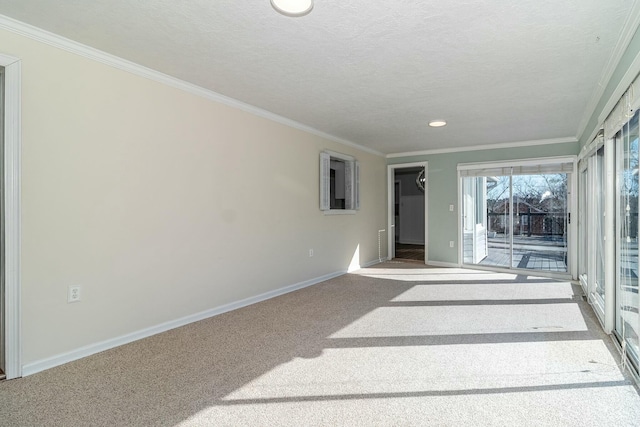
column 408, row 201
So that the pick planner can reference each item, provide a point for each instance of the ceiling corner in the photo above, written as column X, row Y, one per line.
column 629, row 29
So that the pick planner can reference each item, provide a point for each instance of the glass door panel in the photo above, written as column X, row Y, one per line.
column 598, row 218
column 627, row 326
column 592, row 230
column 540, row 222
column 486, row 220
column 498, row 195
column 468, row 221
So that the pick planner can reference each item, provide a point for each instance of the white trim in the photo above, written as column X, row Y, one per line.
column 391, row 215
column 516, row 163
column 628, row 31
column 460, row 212
column 610, row 215
column 352, row 181
column 572, row 268
column 583, row 283
column 391, row 202
column 12, row 147
column 80, row 49
column 340, row 156
column 485, row 147
column 443, row 264
column 88, row 350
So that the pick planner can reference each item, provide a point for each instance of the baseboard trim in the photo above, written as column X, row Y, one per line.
column 88, row 350
column 371, row 263
column 442, row 264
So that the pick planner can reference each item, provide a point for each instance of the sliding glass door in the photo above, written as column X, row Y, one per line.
column 592, row 241
column 627, row 323
column 516, row 217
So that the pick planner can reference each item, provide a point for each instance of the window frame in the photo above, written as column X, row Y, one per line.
column 351, row 186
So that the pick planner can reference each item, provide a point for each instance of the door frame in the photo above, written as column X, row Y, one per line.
column 391, row 169
column 395, row 226
column 584, row 212
column 11, row 181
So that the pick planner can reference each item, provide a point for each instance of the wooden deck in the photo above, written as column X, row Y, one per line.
column 533, row 260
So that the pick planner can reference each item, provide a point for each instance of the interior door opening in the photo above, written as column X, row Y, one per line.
column 407, row 237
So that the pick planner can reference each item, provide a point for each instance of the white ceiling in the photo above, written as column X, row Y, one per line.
column 371, row 72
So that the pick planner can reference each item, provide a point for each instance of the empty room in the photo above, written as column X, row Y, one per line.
column 319, row 213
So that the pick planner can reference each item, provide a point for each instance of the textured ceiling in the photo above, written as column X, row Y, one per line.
column 369, row 71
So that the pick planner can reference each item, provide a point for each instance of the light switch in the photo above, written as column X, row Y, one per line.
column 450, row 208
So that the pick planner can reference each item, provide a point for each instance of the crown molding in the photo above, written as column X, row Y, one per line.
column 88, row 52
column 629, row 29
column 485, row 147
column 621, row 88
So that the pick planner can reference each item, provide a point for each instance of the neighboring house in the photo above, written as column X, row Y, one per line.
column 533, row 217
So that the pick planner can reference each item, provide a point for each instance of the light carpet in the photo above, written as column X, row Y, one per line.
column 391, row 345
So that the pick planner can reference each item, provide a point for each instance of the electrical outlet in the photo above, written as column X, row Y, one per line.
column 451, row 243
column 450, row 208
column 310, row 253
column 74, row 294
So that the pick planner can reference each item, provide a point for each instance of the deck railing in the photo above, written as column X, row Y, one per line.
column 529, row 223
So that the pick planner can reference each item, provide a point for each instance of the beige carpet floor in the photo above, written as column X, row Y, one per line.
column 391, row 345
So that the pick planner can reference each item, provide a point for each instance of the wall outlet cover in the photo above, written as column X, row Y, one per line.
column 73, row 294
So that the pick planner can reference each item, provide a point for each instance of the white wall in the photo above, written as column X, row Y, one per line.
column 162, row 204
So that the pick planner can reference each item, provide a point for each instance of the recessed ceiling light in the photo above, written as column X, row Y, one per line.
column 437, row 123
column 292, row 7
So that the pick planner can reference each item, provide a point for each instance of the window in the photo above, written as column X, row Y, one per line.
column 339, row 183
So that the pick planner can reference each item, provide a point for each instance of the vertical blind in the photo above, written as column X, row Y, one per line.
column 560, row 167
column 623, row 111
